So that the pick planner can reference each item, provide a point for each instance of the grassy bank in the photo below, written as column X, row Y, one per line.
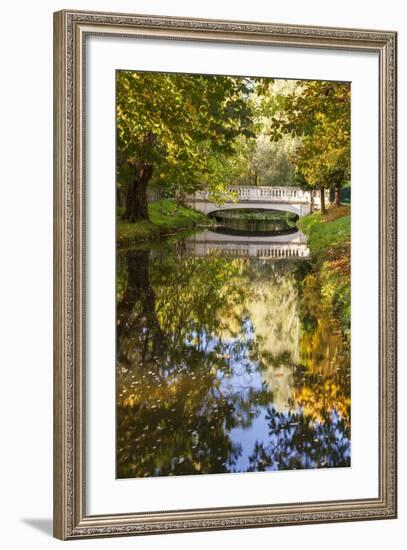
column 329, row 280
column 328, row 234
column 165, row 219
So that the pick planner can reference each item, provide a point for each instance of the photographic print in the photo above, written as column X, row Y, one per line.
column 232, row 274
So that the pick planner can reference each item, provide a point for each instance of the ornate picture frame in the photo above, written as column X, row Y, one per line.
column 71, row 520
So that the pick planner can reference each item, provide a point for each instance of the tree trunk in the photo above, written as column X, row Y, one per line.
column 337, row 196
column 119, row 197
column 137, row 322
column 323, row 209
column 136, row 194
column 179, row 199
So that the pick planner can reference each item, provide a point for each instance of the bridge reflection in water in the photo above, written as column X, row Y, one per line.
column 273, row 247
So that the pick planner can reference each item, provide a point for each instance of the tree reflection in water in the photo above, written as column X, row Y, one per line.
column 221, row 368
column 297, row 440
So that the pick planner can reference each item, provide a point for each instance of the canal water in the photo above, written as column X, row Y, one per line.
column 221, row 366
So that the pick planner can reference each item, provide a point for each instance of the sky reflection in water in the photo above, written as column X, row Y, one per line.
column 216, row 369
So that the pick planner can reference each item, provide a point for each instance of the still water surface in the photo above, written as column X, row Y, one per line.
column 218, row 368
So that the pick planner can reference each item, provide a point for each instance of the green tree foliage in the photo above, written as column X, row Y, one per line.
column 266, row 162
column 319, row 113
column 177, row 131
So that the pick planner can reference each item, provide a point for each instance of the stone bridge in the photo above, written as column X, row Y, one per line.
column 286, row 199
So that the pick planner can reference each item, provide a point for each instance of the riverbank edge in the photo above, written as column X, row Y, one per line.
column 328, row 238
column 166, row 219
column 327, row 233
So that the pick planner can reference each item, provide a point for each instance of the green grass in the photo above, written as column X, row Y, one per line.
column 328, row 233
column 165, row 219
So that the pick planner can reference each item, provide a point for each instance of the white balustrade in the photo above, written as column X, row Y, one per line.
column 261, row 193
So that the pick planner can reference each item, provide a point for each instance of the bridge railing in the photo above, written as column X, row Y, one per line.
column 274, row 193
column 263, row 193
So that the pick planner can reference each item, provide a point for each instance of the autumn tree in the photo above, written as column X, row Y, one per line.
column 319, row 113
column 177, row 130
